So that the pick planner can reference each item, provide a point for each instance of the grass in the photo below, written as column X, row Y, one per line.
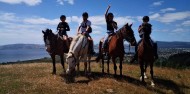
column 36, row 78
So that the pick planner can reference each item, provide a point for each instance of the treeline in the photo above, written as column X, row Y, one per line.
column 179, row 61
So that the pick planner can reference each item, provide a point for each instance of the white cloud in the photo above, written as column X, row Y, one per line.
column 162, row 30
column 98, row 20
column 171, row 17
column 28, row 2
column 158, row 3
column 61, row 2
column 41, row 21
column 123, row 20
column 178, row 30
column 155, row 16
column 186, row 23
column 167, row 9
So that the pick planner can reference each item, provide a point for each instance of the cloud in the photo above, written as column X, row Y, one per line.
column 41, row 21
column 28, row 2
column 186, row 23
column 167, row 9
column 170, row 17
column 158, row 3
column 155, row 16
column 61, row 2
column 178, row 30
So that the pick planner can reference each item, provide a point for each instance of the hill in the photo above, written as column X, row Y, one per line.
column 162, row 44
column 22, row 46
column 36, row 78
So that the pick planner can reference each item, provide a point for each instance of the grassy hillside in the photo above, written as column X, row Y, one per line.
column 29, row 78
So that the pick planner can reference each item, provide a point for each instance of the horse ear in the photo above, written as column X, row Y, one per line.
column 43, row 32
column 131, row 25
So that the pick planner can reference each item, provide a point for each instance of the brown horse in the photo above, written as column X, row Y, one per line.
column 116, row 47
column 55, row 45
column 145, row 57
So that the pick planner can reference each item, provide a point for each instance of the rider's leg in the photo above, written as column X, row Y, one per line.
column 154, row 44
column 91, row 45
column 105, row 40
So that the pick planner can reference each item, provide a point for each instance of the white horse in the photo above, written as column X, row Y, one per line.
column 78, row 51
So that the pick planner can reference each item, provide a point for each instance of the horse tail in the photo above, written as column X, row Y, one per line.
column 100, row 52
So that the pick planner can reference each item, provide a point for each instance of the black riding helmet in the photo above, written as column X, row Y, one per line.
column 145, row 19
column 62, row 17
column 110, row 14
column 85, row 14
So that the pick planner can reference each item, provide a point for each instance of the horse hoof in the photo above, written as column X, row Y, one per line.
column 141, row 78
column 152, row 84
column 53, row 73
column 145, row 77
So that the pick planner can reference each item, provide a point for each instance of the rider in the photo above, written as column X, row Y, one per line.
column 85, row 29
column 62, row 27
column 145, row 30
column 111, row 26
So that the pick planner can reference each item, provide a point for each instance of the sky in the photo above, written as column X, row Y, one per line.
column 22, row 21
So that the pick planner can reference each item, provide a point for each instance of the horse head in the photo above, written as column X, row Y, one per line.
column 47, row 38
column 71, row 61
column 128, row 34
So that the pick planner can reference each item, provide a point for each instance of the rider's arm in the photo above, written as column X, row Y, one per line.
column 88, row 25
column 67, row 27
column 115, row 25
column 107, row 11
column 58, row 27
column 140, row 28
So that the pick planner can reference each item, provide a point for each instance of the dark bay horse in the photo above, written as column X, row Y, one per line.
column 116, row 47
column 145, row 57
column 55, row 45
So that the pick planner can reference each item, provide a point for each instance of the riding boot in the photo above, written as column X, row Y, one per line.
column 91, row 47
column 105, row 44
column 67, row 44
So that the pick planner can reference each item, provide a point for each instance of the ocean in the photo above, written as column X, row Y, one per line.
column 12, row 55
column 9, row 55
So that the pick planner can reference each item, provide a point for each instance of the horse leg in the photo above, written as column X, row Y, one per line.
column 85, row 68
column 102, row 64
column 146, row 64
column 62, row 63
column 53, row 61
column 77, row 61
column 89, row 68
column 120, row 66
column 108, row 68
column 115, row 66
column 151, row 72
column 142, row 70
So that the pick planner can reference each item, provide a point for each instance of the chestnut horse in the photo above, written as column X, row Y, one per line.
column 116, row 47
column 55, row 45
column 145, row 57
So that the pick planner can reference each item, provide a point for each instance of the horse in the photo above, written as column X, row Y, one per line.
column 116, row 47
column 79, row 49
column 55, row 45
column 145, row 57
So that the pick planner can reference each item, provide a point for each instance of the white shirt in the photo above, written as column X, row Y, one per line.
column 84, row 25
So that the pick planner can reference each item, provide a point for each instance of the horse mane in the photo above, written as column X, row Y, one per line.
column 118, row 33
column 76, row 44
